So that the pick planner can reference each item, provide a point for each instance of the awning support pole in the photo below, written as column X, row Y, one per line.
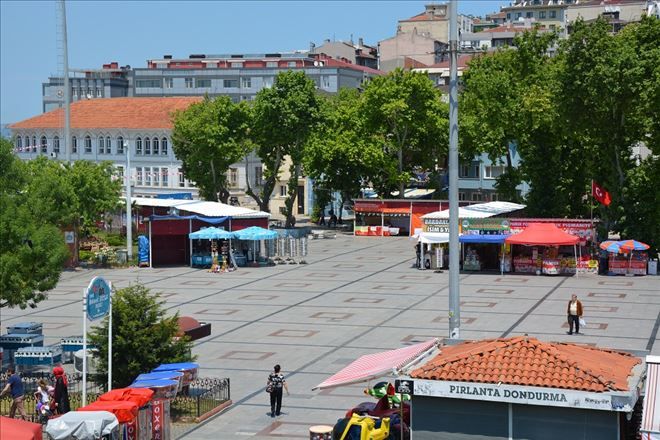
column 576, row 261
column 502, row 261
column 190, row 240
column 151, row 256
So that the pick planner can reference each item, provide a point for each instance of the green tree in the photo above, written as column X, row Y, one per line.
column 142, row 336
column 284, row 117
column 208, row 137
column 32, row 250
column 340, row 155
column 404, row 111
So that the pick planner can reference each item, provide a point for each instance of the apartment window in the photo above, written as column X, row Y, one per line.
column 469, row 171
column 233, row 177
column 493, row 172
column 34, row 144
column 101, row 145
column 138, row 146
column 529, row 14
column 164, row 172
column 494, row 197
column 271, row 64
column 268, row 82
column 541, row 14
column 518, row 15
column 553, row 14
column 147, row 83
column 235, row 65
column 44, row 144
column 56, row 144
column 138, row 172
column 147, row 176
column 189, row 83
column 74, row 92
column 461, row 196
column 163, row 147
column 282, row 190
column 27, row 143
column 168, row 83
column 19, row 143
column 88, row 144
column 74, row 144
column 182, row 179
column 203, row 83
column 120, row 145
column 325, row 82
column 156, row 146
column 476, row 197
column 120, row 172
column 147, row 146
column 291, row 64
column 229, row 83
column 108, row 146
column 246, row 82
column 156, row 172
column 508, row 16
column 99, row 93
column 258, row 176
column 553, row 27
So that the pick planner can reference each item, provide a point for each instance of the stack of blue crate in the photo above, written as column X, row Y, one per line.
column 21, row 335
column 39, row 356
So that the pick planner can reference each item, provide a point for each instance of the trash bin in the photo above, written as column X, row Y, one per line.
column 653, row 267
column 122, row 256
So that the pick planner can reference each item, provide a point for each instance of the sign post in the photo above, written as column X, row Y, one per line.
column 96, row 304
column 403, row 387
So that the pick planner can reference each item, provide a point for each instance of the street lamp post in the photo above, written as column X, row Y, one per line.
column 129, row 220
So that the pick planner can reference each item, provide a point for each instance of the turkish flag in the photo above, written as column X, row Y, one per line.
column 600, row 194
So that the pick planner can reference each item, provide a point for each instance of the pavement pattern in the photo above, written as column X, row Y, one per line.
column 357, row 295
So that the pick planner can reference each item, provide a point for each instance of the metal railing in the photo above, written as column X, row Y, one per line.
column 201, row 397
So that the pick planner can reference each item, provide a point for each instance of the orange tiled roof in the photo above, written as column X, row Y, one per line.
column 128, row 113
column 530, row 362
column 424, row 16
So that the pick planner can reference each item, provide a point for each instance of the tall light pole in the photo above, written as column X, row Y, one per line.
column 454, row 294
column 67, row 91
column 129, row 220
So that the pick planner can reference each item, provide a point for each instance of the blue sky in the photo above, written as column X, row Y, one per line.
column 130, row 32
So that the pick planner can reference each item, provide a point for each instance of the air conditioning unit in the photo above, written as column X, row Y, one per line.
column 53, row 155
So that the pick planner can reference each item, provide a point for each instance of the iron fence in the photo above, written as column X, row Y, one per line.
column 203, row 396
column 30, row 384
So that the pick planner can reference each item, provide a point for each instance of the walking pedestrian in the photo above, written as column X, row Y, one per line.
column 418, row 253
column 574, row 312
column 276, row 383
column 322, row 218
column 15, row 388
column 61, row 394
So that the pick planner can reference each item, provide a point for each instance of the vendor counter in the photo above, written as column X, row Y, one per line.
column 376, row 231
column 621, row 265
column 554, row 266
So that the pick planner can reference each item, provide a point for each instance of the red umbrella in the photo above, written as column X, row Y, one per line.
column 633, row 245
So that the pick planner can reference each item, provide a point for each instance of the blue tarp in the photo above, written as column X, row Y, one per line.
column 211, row 234
column 159, row 375
column 175, row 196
column 143, row 249
column 176, row 367
column 494, row 238
column 154, row 383
column 211, row 220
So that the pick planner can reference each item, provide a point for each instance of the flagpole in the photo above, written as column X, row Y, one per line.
column 591, row 205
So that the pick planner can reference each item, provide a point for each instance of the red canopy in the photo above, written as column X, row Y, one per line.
column 139, row 396
column 542, row 234
column 15, row 429
column 125, row 411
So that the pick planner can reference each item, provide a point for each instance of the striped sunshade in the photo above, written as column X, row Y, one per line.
column 651, row 415
column 376, row 365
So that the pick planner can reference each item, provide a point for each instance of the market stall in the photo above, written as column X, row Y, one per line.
column 485, row 252
column 626, row 257
column 250, row 245
column 210, row 247
column 553, row 260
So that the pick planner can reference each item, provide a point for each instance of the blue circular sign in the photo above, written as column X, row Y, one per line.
column 98, row 298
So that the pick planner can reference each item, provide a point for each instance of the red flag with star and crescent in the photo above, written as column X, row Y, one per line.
column 600, row 194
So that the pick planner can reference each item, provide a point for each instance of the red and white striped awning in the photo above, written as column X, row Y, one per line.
column 376, row 365
column 651, row 416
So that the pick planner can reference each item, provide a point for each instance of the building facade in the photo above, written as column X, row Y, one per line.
column 547, row 14
column 359, row 54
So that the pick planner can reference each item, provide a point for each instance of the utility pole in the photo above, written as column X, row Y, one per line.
column 129, row 220
column 454, row 294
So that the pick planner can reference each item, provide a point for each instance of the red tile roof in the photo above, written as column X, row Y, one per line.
column 424, row 16
column 530, row 362
column 126, row 113
column 333, row 62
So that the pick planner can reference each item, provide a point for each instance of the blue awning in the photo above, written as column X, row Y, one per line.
column 493, row 238
column 211, row 220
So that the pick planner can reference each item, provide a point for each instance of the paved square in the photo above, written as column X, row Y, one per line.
column 357, row 295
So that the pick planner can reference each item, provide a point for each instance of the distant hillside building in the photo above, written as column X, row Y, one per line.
column 359, row 54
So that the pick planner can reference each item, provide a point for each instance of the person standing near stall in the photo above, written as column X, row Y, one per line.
column 276, row 384
column 15, row 388
column 61, row 394
column 574, row 312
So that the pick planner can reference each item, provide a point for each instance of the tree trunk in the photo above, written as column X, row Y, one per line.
column 402, row 184
column 294, row 171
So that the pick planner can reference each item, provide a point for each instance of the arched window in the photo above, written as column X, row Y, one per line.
column 19, row 143
column 44, row 144
column 88, row 144
column 156, row 147
column 138, row 146
column 74, row 144
column 147, row 146
column 108, row 146
column 27, row 143
column 56, row 144
column 163, row 147
column 34, row 144
column 120, row 145
column 101, row 145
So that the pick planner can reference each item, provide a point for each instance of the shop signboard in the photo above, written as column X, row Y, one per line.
column 436, row 225
column 485, row 226
column 581, row 228
column 521, row 395
column 97, row 298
